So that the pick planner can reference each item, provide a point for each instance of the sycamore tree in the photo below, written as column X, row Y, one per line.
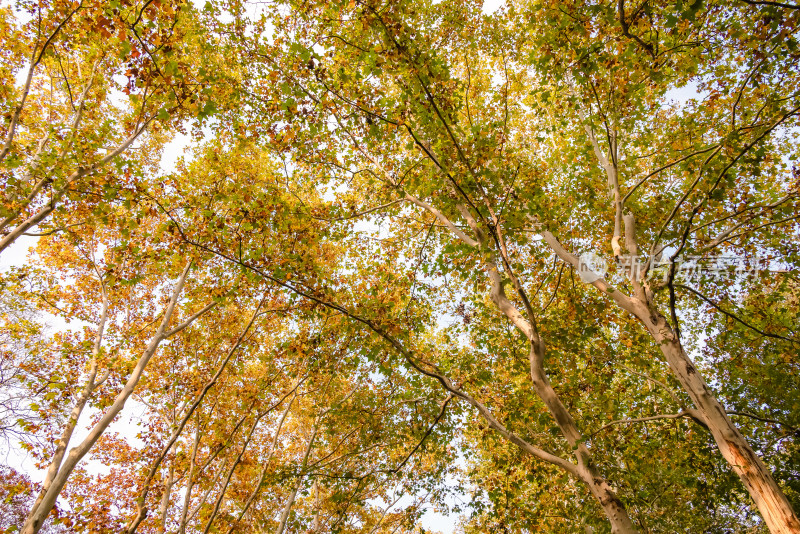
column 258, row 410
column 548, row 252
column 545, row 133
column 91, row 92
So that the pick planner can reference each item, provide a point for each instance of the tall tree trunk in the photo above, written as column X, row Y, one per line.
column 66, row 435
column 773, row 505
column 187, row 496
column 316, row 523
column 89, row 385
column 600, row 488
column 284, row 520
column 45, row 505
column 162, row 513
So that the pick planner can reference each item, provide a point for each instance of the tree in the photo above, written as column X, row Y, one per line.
column 411, row 117
column 70, row 128
column 412, row 233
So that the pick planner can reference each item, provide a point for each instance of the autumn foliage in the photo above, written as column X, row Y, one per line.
column 532, row 267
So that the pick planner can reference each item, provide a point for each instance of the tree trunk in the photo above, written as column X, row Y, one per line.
column 162, row 513
column 66, row 435
column 45, row 504
column 187, row 496
column 284, row 520
column 765, row 492
column 773, row 505
column 608, row 499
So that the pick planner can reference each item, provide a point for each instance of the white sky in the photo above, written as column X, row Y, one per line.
column 490, row 6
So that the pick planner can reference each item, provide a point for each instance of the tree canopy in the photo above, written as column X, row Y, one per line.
column 534, row 268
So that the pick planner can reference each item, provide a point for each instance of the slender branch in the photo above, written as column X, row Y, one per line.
column 443, row 219
column 35, row 60
column 191, row 319
column 728, row 237
column 627, row 33
column 733, row 316
column 762, row 419
column 365, row 212
column 773, row 4
column 665, row 167
column 427, row 433
column 678, row 415
column 666, row 388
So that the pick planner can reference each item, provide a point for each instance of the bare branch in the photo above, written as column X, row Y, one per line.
column 678, row 415
column 733, row 316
